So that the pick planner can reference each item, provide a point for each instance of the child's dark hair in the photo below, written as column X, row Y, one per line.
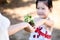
column 48, row 3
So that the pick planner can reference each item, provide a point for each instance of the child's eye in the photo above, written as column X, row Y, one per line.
column 43, row 8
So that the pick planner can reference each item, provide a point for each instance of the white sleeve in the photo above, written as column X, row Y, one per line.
column 5, row 22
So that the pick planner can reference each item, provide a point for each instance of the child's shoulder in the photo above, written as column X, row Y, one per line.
column 37, row 20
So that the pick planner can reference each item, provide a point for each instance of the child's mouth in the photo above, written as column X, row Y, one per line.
column 41, row 14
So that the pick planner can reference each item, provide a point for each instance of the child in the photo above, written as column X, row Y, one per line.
column 42, row 29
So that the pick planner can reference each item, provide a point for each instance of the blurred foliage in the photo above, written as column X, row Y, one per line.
column 29, row 19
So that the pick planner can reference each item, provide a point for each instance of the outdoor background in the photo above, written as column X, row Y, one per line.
column 16, row 9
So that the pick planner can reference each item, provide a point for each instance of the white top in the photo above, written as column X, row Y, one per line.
column 4, row 24
column 37, row 36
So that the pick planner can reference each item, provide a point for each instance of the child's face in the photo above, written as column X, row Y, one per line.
column 42, row 10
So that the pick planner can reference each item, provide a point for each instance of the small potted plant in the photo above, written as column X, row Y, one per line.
column 29, row 19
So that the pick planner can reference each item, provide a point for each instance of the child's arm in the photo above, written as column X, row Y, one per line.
column 15, row 28
column 39, row 22
column 49, row 23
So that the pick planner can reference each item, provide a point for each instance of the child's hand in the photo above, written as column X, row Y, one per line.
column 29, row 28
